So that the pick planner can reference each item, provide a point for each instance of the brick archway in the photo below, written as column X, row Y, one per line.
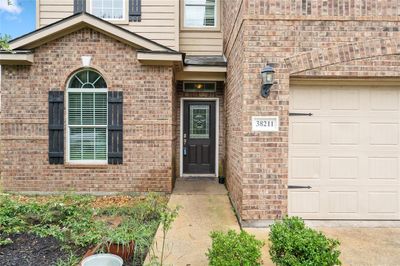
column 341, row 53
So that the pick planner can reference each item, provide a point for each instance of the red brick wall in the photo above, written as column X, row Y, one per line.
column 149, row 130
column 298, row 42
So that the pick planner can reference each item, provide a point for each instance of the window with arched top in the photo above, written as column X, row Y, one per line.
column 87, row 117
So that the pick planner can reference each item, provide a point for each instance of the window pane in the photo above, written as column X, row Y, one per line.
column 199, row 121
column 97, row 3
column 108, row 9
column 118, row 4
column 100, row 83
column 88, row 144
column 100, row 109
column 74, row 108
column 75, row 144
column 199, row 16
column 101, row 144
column 82, row 76
column 117, row 13
column 75, row 83
column 96, row 12
column 107, row 4
column 87, row 108
column 199, row 87
column 88, row 141
column 93, row 76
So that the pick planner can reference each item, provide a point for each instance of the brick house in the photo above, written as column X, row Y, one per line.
column 128, row 95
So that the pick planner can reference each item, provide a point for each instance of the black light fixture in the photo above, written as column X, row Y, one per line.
column 267, row 74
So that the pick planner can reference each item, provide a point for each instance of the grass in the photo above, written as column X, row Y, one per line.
column 82, row 221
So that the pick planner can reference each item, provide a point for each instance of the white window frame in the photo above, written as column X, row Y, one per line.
column 68, row 126
column 124, row 12
column 216, row 18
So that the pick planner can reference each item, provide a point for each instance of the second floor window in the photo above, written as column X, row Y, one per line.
column 108, row 9
column 200, row 13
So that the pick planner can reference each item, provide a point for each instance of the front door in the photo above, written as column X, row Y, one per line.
column 198, row 137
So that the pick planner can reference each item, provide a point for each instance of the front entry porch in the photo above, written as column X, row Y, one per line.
column 200, row 129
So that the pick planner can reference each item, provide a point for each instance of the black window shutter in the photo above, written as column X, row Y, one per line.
column 115, row 133
column 135, row 10
column 56, row 127
column 79, row 6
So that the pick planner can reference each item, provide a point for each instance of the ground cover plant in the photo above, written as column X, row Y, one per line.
column 62, row 228
column 234, row 249
column 295, row 244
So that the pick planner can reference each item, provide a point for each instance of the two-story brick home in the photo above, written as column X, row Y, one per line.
column 298, row 101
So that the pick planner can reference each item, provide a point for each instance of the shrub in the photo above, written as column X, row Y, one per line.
column 234, row 249
column 292, row 244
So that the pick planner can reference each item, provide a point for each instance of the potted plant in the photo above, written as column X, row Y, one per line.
column 120, row 242
column 221, row 177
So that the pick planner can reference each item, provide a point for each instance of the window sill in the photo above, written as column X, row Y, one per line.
column 206, row 29
column 85, row 166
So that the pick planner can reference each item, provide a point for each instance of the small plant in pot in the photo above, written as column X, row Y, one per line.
column 221, row 177
column 120, row 242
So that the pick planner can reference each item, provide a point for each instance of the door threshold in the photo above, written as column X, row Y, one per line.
column 198, row 175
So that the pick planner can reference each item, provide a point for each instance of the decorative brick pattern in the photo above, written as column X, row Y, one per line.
column 342, row 53
column 149, row 129
column 321, row 8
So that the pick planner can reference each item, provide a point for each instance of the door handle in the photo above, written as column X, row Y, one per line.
column 299, row 187
column 300, row 114
column 184, row 151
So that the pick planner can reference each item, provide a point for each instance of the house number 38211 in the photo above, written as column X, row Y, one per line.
column 265, row 123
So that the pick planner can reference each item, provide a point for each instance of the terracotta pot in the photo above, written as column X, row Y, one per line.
column 124, row 251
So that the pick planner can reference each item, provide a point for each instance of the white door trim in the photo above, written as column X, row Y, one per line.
column 216, row 100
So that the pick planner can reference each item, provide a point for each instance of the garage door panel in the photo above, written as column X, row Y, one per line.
column 343, row 202
column 383, row 168
column 348, row 151
column 305, row 167
column 343, row 168
column 309, row 99
column 384, row 134
column 304, row 202
column 384, row 99
column 304, row 133
column 344, row 133
column 383, row 202
column 344, row 99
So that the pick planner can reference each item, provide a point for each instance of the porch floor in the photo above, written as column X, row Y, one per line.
column 205, row 207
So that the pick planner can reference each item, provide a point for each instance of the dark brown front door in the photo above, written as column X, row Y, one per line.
column 198, row 137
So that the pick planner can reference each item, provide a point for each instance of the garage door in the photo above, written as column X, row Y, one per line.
column 347, row 152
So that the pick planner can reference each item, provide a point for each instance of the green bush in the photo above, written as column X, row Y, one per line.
column 294, row 244
column 234, row 249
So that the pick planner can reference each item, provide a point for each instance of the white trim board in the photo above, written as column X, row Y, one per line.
column 216, row 100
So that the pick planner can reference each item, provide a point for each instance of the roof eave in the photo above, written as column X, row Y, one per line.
column 10, row 58
column 81, row 20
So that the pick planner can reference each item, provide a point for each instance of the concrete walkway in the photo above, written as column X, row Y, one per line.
column 205, row 207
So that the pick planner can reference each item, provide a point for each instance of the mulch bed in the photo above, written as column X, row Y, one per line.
column 31, row 250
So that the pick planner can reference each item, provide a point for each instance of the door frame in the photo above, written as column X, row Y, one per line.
column 182, row 101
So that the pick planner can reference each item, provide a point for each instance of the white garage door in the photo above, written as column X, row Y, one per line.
column 348, row 151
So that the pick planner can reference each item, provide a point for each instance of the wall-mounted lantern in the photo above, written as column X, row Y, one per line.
column 268, row 75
